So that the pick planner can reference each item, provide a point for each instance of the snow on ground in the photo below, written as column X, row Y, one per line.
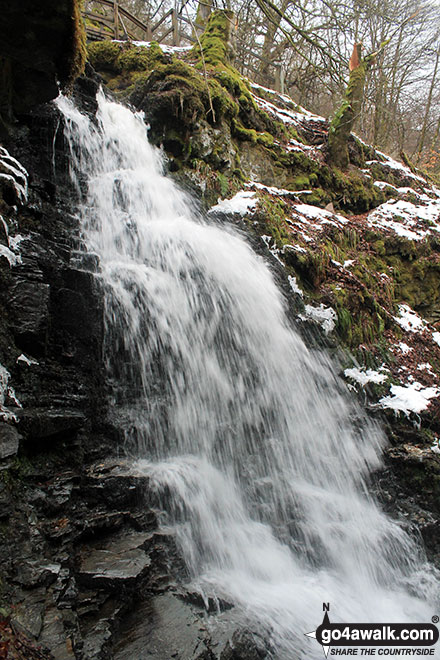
column 286, row 116
column 395, row 165
column 243, row 202
column 164, row 47
column 412, row 221
column 364, row 376
column 272, row 190
column 382, row 185
column 409, row 320
column 409, row 398
column 436, row 337
column 325, row 316
column 272, row 247
column 317, row 213
column 404, row 348
column 301, row 112
column 13, row 259
column 426, row 366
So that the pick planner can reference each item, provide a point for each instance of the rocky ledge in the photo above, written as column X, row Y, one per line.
column 90, row 574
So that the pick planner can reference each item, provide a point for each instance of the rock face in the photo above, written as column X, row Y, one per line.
column 38, row 49
column 81, row 555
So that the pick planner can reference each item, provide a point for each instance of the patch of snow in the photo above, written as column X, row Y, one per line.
column 364, row 376
column 295, row 248
column 287, row 116
column 348, row 263
column 436, row 337
column 289, row 101
column 164, row 47
column 404, row 190
column 409, row 398
column 405, row 348
column 13, row 259
column 384, row 184
column 272, row 247
column 271, row 189
column 294, row 145
column 325, row 316
column 404, row 218
column 294, row 286
column 241, row 203
column 395, row 165
column 26, row 360
column 15, row 173
column 317, row 213
column 7, row 392
column 15, row 241
column 425, row 366
column 409, row 320
column 436, row 446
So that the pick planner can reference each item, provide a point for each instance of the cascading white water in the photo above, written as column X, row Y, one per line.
column 260, row 451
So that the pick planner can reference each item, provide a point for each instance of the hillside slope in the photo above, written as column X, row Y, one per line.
column 361, row 247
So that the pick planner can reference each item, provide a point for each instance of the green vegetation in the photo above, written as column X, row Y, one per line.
column 203, row 112
column 217, row 40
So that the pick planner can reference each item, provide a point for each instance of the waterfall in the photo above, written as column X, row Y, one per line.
column 259, row 451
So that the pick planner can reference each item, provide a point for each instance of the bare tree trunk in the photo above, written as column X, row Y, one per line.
column 422, row 137
column 271, row 26
column 345, row 117
column 203, row 13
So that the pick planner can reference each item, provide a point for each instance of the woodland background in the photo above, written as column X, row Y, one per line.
column 308, row 44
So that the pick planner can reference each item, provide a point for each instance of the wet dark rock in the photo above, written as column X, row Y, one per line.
column 53, row 635
column 9, row 440
column 29, row 303
column 38, row 49
column 418, row 470
column 41, row 423
column 168, row 627
column 28, row 615
column 245, row 645
column 36, row 572
column 121, row 561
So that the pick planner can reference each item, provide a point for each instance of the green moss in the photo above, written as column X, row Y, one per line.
column 251, row 135
column 350, row 191
column 344, row 118
column 134, row 59
column 301, row 182
column 216, row 40
column 224, row 105
column 223, row 183
column 103, row 55
column 319, row 197
column 272, row 219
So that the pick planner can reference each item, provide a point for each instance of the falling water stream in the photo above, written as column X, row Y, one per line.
column 259, row 450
